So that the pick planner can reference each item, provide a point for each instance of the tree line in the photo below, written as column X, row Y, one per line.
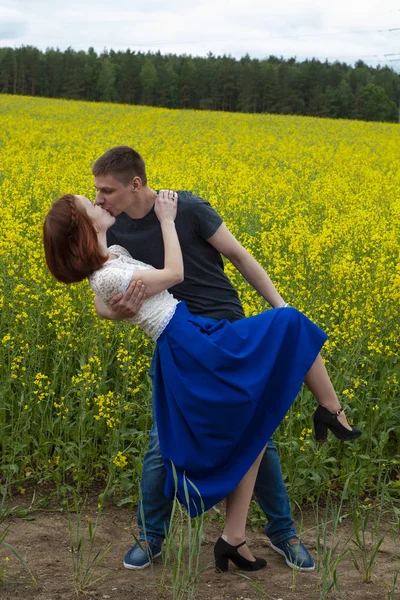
column 271, row 85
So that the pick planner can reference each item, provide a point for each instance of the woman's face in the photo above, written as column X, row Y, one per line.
column 100, row 218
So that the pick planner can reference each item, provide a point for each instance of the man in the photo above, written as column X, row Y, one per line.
column 122, row 190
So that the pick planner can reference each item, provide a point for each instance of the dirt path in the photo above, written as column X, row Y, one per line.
column 45, row 543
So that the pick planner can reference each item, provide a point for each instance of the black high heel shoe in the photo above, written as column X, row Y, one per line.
column 324, row 420
column 223, row 552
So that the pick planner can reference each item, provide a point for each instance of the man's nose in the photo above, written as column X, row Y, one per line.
column 99, row 200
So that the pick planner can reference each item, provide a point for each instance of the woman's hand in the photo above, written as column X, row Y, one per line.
column 166, row 206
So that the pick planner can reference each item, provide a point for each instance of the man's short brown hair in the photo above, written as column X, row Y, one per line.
column 123, row 162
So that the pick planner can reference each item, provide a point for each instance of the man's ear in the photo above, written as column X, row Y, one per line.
column 136, row 183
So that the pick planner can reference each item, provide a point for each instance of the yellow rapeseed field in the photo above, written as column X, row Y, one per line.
column 317, row 203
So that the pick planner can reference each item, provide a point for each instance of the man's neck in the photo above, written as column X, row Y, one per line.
column 142, row 203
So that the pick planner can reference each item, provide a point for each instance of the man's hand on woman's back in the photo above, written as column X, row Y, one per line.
column 123, row 306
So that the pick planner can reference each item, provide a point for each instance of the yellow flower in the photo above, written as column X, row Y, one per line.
column 301, row 194
column 120, row 460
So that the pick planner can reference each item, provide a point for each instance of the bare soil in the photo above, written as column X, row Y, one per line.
column 44, row 542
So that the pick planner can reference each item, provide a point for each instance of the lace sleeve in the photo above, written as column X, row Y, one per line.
column 111, row 280
column 119, row 250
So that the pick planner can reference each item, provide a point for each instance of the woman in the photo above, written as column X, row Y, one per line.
column 221, row 388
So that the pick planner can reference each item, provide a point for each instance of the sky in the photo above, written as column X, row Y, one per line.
column 335, row 30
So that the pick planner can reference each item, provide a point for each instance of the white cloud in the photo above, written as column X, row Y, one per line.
column 12, row 24
column 302, row 28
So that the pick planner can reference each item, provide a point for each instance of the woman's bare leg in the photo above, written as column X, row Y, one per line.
column 318, row 382
column 238, row 501
column 237, row 508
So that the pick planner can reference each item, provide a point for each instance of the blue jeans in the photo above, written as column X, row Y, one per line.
column 155, row 509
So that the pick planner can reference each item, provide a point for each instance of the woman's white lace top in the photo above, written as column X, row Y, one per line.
column 115, row 276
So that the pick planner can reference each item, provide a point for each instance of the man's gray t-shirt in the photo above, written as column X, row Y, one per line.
column 206, row 289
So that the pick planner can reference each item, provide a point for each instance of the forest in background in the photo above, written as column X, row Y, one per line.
column 272, row 85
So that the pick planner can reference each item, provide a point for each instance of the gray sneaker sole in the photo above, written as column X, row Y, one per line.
column 134, row 567
column 290, row 564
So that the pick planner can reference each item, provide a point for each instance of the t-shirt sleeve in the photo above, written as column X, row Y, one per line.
column 206, row 219
column 108, row 282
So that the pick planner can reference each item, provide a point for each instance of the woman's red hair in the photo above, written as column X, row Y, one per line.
column 70, row 242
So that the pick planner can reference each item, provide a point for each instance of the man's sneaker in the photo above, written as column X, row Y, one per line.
column 295, row 553
column 141, row 555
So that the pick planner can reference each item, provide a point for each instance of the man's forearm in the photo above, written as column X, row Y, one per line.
column 253, row 272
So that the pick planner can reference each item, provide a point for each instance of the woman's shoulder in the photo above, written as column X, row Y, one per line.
column 116, row 248
column 126, row 258
column 111, row 278
column 104, row 271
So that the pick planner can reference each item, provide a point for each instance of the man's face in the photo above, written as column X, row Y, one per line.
column 112, row 195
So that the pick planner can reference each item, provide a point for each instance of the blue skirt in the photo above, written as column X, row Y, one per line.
column 221, row 389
